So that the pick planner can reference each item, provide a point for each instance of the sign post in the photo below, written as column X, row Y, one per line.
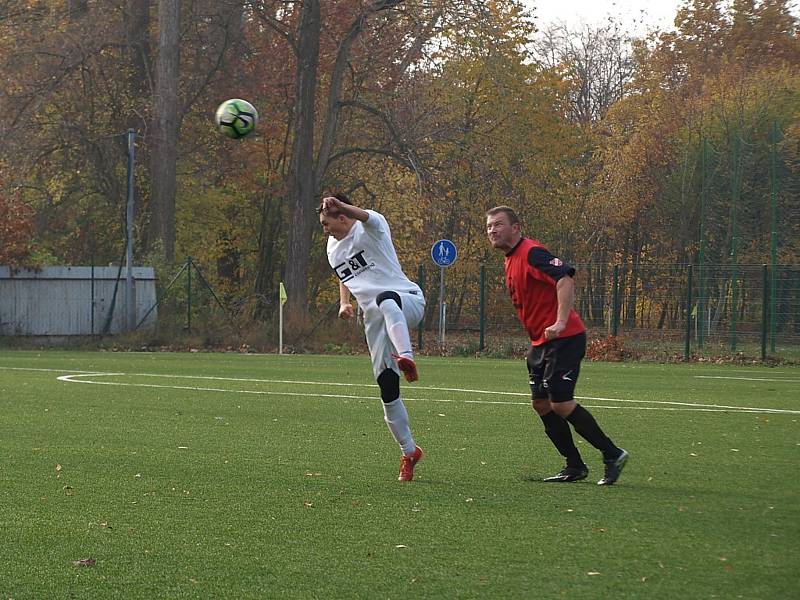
column 444, row 254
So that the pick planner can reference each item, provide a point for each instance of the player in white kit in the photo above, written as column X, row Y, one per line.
column 361, row 253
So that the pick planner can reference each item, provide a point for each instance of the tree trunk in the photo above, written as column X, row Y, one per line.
column 137, row 29
column 301, row 172
column 164, row 134
column 265, row 288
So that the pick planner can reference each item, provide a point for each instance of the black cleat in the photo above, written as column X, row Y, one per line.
column 568, row 474
column 613, row 469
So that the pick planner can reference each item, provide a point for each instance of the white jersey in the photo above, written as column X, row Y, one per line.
column 366, row 262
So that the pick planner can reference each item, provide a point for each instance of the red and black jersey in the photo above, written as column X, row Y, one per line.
column 531, row 276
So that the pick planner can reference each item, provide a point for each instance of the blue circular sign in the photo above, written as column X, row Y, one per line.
column 444, row 253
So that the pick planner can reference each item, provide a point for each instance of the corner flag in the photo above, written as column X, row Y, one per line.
column 282, row 294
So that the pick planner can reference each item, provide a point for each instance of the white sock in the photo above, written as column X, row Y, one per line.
column 397, row 328
column 396, row 417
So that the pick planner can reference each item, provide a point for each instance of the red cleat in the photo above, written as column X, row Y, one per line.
column 407, row 464
column 407, row 366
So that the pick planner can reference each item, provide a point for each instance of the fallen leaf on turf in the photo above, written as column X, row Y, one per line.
column 308, row 504
column 58, row 471
column 85, row 562
column 68, row 490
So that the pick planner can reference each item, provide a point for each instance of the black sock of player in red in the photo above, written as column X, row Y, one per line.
column 586, row 426
column 559, row 433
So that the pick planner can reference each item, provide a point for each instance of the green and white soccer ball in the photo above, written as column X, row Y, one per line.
column 236, row 118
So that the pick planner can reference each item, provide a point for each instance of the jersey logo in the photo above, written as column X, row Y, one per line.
column 351, row 267
column 556, row 262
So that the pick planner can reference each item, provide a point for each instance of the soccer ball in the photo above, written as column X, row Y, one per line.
column 236, row 118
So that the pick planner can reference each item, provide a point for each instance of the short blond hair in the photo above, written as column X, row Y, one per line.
column 507, row 210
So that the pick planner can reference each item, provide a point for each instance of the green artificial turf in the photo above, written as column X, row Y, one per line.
column 246, row 476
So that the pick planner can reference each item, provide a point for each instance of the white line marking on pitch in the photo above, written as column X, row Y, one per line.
column 663, row 405
column 752, row 371
column 746, row 378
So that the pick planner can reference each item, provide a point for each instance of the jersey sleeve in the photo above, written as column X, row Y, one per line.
column 376, row 224
column 543, row 260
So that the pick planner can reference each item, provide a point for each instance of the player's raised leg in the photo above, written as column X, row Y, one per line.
column 391, row 306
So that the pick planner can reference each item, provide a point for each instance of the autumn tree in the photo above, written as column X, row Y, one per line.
column 335, row 75
column 16, row 228
column 596, row 63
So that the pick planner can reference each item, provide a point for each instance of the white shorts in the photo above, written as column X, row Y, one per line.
column 380, row 346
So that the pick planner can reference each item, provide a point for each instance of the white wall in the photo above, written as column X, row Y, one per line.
column 59, row 301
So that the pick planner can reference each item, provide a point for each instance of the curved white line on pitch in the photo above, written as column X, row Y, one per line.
column 685, row 406
column 450, row 389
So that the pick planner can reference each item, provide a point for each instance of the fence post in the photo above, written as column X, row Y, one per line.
column 736, row 181
column 701, row 284
column 421, row 284
column 130, row 295
column 615, row 307
column 764, row 313
column 773, row 193
column 91, row 315
column 481, row 343
column 687, row 345
column 189, row 294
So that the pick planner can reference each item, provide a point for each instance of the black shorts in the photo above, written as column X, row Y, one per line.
column 553, row 368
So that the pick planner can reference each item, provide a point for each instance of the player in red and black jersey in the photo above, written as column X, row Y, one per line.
column 543, row 293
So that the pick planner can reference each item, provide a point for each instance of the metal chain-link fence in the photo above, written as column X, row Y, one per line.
column 675, row 309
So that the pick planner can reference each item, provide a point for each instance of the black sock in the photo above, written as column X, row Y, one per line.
column 559, row 433
column 586, row 426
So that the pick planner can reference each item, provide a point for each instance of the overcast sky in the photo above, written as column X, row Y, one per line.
column 636, row 16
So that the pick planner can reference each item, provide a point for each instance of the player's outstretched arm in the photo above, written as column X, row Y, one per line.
column 353, row 212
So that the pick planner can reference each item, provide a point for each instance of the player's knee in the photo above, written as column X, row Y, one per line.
column 389, row 382
column 564, row 407
column 383, row 296
column 541, row 405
